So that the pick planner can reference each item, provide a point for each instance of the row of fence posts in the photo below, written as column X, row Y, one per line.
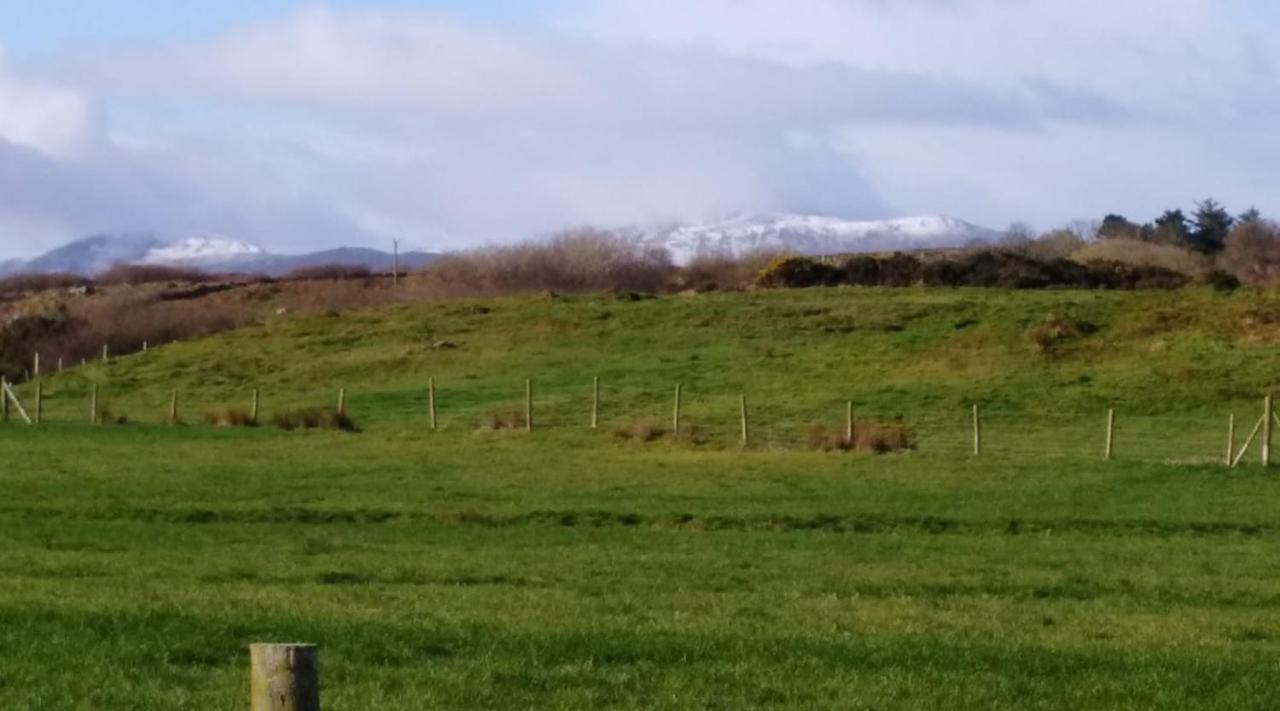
column 1232, row 459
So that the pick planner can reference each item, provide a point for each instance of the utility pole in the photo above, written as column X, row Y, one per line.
column 395, row 268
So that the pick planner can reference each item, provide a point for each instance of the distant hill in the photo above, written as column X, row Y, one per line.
column 93, row 255
column 813, row 235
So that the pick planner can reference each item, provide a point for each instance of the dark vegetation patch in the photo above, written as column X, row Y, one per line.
column 1057, row 331
column 592, row 518
column 990, row 268
column 313, row 418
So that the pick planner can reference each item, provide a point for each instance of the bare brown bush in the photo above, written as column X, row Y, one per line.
column 572, row 262
column 1058, row 244
column 1252, row 253
column 123, row 323
column 1143, row 254
column 721, row 272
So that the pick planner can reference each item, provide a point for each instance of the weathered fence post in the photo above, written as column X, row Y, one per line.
column 59, row 364
column 35, row 366
column 528, row 404
column 595, row 402
column 1111, row 433
column 742, row 408
column 173, row 408
column 1266, row 430
column 848, row 424
column 93, row 405
column 105, row 353
column 342, row 401
column 284, row 677
column 39, row 402
column 254, row 407
column 144, row 346
column 1231, row 436
column 977, row 432
column 431, row 401
column 675, row 417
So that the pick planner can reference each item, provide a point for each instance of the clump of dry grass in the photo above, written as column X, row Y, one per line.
column 641, row 432
column 230, row 417
column 873, row 437
column 499, row 420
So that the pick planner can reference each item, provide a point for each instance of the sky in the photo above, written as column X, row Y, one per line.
column 453, row 123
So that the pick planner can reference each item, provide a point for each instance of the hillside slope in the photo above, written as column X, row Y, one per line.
column 926, row 355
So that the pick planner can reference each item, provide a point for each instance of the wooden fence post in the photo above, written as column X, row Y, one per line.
column 35, row 366
column 257, row 403
column 431, row 402
column 848, row 424
column 1111, row 433
column 1231, row 436
column 595, row 402
column 342, row 401
column 93, row 405
column 528, row 404
column 746, row 434
column 105, row 353
column 977, row 432
column 675, row 417
column 59, row 364
column 144, row 346
column 173, row 408
column 284, row 677
column 1266, row 431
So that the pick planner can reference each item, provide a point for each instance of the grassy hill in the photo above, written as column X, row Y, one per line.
column 572, row 568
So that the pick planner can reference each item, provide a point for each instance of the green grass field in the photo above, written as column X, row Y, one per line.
column 568, row 568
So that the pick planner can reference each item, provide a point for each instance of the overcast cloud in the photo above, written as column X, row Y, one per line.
column 317, row 127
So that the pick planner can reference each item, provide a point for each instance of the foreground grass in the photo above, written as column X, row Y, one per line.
column 567, row 568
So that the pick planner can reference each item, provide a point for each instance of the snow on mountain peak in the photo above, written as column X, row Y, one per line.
column 201, row 249
column 814, row 235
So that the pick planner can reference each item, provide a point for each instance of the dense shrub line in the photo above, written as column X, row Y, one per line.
column 985, row 268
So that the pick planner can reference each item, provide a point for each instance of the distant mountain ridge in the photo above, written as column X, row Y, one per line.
column 93, row 255
column 813, row 235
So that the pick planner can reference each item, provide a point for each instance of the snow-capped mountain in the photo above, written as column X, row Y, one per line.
column 94, row 255
column 203, row 249
column 813, row 235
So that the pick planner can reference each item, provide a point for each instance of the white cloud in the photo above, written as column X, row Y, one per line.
column 45, row 117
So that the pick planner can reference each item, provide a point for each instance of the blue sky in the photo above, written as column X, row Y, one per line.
column 448, row 123
column 27, row 26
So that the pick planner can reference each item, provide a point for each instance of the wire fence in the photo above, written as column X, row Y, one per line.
column 697, row 418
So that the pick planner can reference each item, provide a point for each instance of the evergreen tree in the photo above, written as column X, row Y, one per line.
column 1118, row 226
column 1172, row 228
column 1212, row 225
column 1250, row 217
